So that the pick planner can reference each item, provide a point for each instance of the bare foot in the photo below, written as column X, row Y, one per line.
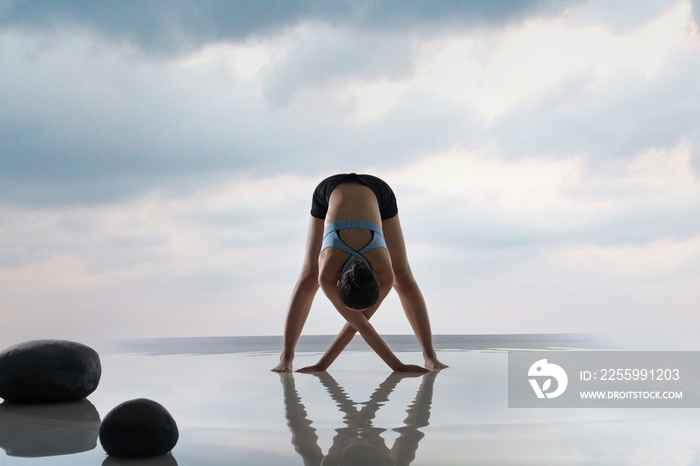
column 434, row 365
column 314, row 368
column 283, row 366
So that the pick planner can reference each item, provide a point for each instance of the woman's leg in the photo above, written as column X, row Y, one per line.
column 302, row 295
column 409, row 294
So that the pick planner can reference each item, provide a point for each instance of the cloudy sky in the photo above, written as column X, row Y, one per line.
column 157, row 161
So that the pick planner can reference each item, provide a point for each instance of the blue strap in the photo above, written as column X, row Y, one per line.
column 345, row 224
column 332, row 239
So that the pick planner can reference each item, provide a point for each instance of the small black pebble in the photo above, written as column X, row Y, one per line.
column 138, row 428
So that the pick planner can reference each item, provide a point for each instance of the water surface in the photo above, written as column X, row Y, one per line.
column 231, row 410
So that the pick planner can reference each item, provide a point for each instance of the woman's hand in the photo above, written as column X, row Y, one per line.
column 314, row 368
column 412, row 368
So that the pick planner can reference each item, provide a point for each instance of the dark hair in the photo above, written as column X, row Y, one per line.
column 358, row 287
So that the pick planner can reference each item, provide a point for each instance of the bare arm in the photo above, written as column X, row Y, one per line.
column 360, row 323
column 409, row 293
column 339, row 343
column 302, row 295
column 386, row 281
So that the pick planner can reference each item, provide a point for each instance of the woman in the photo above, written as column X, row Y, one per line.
column 355, row 252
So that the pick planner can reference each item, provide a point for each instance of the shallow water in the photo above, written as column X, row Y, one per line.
column 231, row 410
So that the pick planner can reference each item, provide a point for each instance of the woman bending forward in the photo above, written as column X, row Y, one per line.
column 356, row 253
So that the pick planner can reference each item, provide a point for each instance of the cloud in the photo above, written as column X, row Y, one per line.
column 516, row 240
column 541, row 55
column 103, row 270
column 620, row 17
column 636, row 93
column 490, row 204
column 158, row 170
column 86, row 122
column 603, row 121
column 322, row 57
column 167, row 27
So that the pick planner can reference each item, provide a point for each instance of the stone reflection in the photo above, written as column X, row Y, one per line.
column 358, row 442
column 162, row 460
column 36, row 430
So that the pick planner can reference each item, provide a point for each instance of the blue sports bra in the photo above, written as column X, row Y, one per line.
column 331, row 239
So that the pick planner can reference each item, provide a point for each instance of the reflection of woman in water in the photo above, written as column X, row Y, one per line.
column 358, row 443
column 355, row 252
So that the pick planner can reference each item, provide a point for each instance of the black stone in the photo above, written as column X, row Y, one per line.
column 48, row 371
column 138, row 428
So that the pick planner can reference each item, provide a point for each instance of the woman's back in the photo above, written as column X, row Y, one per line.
column 353, row 201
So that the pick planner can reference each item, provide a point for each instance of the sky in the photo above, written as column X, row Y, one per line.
column 157, row 162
